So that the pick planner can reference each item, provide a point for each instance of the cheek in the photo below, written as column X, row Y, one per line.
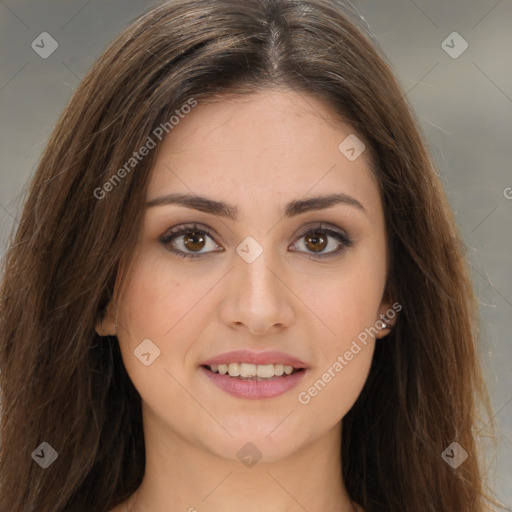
column 149, row 310
column 348, row 305
column 345, row 349
column 165, row 306
column 348, row 300
column 149, row 307
column 333, row 390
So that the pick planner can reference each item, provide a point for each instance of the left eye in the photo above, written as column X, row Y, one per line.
column 189, row 241
column 317, row 241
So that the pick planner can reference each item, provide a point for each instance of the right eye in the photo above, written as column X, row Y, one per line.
column 187, row 241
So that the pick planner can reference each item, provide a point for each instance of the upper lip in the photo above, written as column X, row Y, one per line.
column 258, row 358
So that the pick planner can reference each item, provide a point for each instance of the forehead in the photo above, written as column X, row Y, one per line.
column 278, row 145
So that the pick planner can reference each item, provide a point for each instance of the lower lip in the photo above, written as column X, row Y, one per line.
column 255, row 389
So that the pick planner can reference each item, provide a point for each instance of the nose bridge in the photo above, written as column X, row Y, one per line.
column 258, row 281
column 260, row 300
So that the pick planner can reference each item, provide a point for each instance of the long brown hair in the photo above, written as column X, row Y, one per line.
column 63, row 384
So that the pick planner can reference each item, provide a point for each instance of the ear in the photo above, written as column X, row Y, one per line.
column 388, row 312
column 107, row 324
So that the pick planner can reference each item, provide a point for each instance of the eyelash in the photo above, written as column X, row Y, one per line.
column 194, row 228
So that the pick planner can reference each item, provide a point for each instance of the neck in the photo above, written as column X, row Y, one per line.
column 180, row 476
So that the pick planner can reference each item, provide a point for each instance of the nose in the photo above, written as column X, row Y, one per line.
column 257, row 297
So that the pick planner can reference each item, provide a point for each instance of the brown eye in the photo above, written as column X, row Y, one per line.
column 190, row 242
column 316, row 241
column 322, row 242
column 194, row 241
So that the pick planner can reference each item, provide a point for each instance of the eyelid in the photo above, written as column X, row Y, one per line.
column 322, row 226
column 193, row 226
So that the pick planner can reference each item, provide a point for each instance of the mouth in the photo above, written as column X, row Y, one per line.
column 253, row 372
column 252, row 381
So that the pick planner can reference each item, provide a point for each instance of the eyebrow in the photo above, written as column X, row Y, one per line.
column 222, row 209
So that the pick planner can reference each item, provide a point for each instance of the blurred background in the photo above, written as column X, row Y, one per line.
column 453, row 59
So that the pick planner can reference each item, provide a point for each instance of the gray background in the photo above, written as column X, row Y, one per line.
column 464, row 105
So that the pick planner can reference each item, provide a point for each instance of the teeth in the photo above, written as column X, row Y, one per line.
column 234, row 369
column 248, row 370
column 264, row 371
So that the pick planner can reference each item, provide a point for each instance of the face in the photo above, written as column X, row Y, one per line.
column 277, row 273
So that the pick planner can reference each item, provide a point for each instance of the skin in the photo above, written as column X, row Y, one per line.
column 257, row 152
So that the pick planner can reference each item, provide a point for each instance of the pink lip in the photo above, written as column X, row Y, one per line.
column 255, row 389
column 246, row 356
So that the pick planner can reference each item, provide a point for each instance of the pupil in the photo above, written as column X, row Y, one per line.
column 194, row 242
column 316, row 238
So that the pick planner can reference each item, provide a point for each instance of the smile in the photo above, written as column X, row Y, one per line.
column 248, row 370
column 244, row 380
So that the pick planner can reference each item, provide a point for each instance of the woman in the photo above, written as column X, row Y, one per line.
column 236, row 279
